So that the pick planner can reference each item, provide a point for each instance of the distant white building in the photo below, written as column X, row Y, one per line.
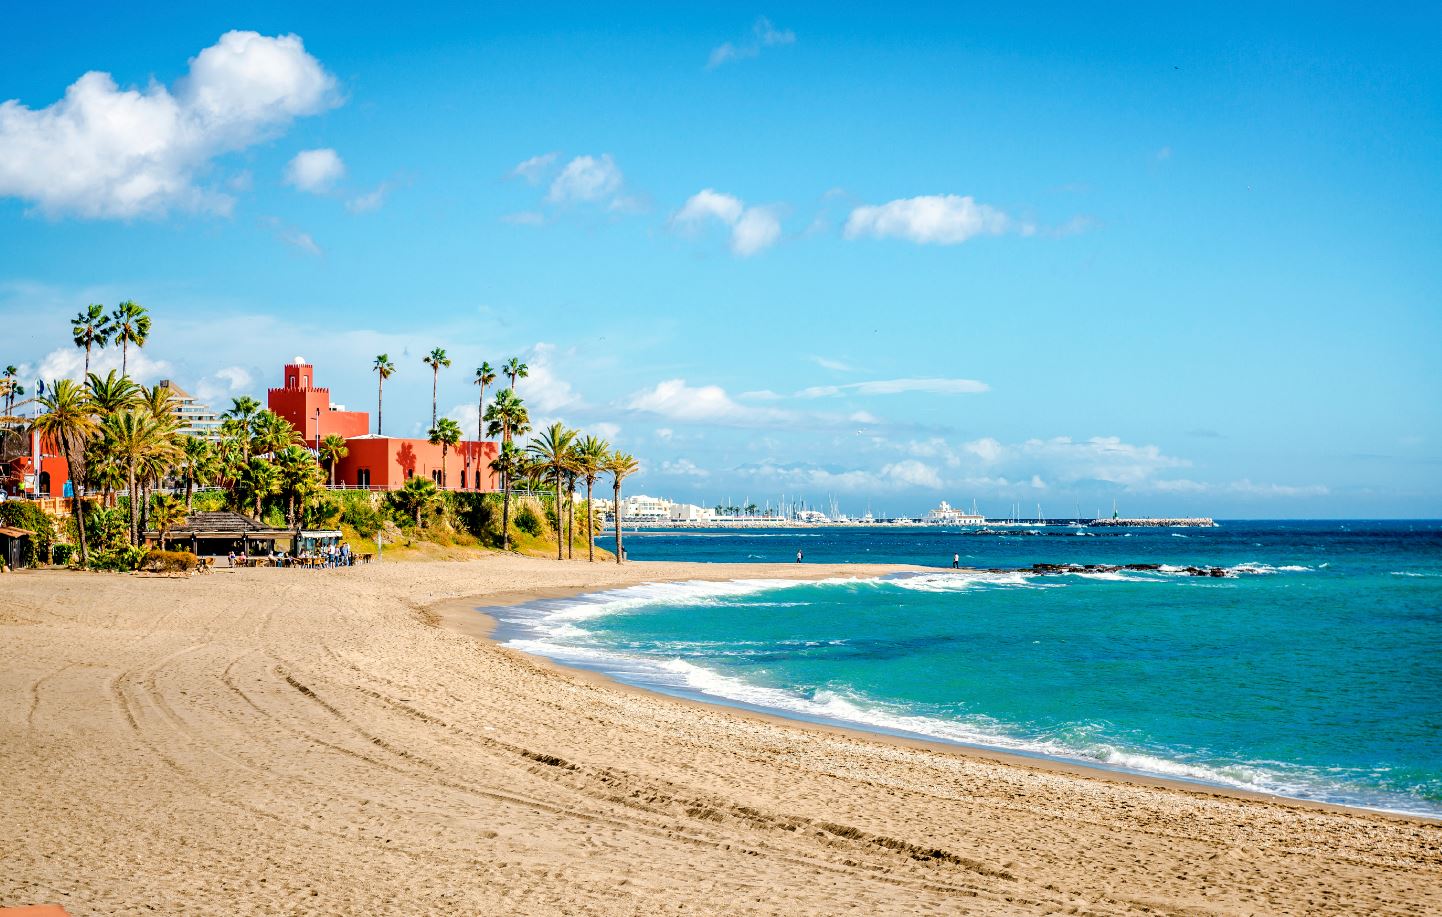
column 641, row 508
column 196, row 419
column 945, row 514
column 689, row 512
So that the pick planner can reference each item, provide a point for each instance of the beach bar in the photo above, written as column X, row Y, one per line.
column 216, row 534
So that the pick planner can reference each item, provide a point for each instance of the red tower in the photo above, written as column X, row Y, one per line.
column 305, row 405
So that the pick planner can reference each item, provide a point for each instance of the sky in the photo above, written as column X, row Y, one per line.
column 1187, row 260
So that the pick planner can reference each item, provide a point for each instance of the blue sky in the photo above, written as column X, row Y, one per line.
column 1189, row 261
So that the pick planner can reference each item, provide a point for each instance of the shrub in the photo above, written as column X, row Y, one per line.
column 476, row 514
column 23, row 514
column 363, row 517
column 105, row 529
column 61, row 554
column 123, row 558
column 168, row 562
column 528, row 521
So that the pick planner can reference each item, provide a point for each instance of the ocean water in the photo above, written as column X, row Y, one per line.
column 1312, row 669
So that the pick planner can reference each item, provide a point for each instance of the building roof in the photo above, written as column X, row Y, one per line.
column 177, row 390
column 222, row 524
column 13, row 532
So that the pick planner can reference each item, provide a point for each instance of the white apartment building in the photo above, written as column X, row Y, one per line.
column 196, row 419
column 641, row 508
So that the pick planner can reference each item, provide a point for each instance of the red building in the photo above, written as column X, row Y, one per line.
column 309, row 409
column 377, row 462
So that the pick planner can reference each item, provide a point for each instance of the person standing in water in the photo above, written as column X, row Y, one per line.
column 955, row 561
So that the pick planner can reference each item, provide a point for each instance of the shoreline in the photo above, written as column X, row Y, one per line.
column 470, row 616
column 352, row 741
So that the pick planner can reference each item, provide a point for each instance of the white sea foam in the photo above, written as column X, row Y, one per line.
column 1415, row 574
column 962, row 581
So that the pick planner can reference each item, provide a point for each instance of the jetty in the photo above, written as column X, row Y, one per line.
column 1197, row 522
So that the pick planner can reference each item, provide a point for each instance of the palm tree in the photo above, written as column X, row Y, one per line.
column 417, row 495
column 257, row 480
column 236, row 422
column 129, row 324
column 591, row 456
column 10, row 388
column 332, row 450
column 162, row 403
column 446, row 433
column 552, row 449
column 167, row 512
column 197, row 465
column 270, row 433
column 113, row 393
column 435, row 360
column 68, row 423
column 485, row 376
column 516, row 370
column 297, row 479
column 507, row 416
column 620, row 466
column 384, row 368
column 91, row 328
column 131, row 437
column 508, row 462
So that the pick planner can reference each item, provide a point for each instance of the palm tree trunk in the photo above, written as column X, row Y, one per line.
column 505, row 512
column 560, row 522
column 78, row 502
column 590, row 533
column 134, row 521
column 87, row 359
column 616, row 511
column 332, row 472
column 189, row 492
column 380, row 400
column 124, row 356
column 481, row 415
column 445, row 471
column 571, row 519
column 435, row 378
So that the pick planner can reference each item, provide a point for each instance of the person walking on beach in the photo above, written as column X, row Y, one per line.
column 798, row 556
column 955, row 561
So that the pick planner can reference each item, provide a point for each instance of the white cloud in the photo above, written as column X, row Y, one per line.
column 684, row 468
column 907, row 474
column 1101, row 458
column 301, row 241
column 371, row 200
column 912, row 473
column 675, row 400
column 763, row 35
column 586, row 178
column 1244, row 487
column 828, row 363
column 897, row 387
column 103, row 152
column 987, row 449
column 69, row 363
column 314, row 171
column 664, row 434
column 216, row 388
column 605, row 430
column 752, row 228
column 536, row 168
column 543, row 389
column 941, row 219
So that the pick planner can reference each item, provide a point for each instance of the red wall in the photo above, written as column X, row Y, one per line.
column 389, row 459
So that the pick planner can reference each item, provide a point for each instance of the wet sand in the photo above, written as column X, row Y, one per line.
column 346, row 742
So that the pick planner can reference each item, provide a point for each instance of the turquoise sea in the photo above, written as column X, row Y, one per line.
column 1312, row 668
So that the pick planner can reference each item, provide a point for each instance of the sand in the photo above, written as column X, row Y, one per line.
column 298, row 742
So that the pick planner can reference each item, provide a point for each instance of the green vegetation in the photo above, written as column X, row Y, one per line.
column 134, row 471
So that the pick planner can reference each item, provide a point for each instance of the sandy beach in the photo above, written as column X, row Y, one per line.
column 347, row 742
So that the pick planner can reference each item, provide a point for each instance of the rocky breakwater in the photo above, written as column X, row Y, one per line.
column 1200, row 522
column 1065, row 569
